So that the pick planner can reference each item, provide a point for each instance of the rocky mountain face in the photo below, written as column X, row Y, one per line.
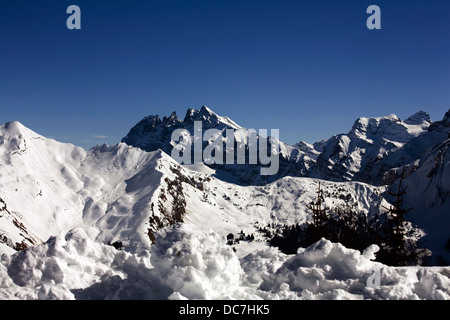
column 152, row 133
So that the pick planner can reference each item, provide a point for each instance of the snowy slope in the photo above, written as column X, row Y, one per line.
column 429, row 194
column 38, row 183
column 48, row 188
column 427, row 178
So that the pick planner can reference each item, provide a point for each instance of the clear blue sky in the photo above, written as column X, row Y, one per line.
column 308, row 68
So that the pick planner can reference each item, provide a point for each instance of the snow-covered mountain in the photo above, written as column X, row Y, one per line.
column 123, row 193
column 60, row 207
column 152, row 133
column 427, row 176
column 48, row 188
column 377, row 150
column 364, row 154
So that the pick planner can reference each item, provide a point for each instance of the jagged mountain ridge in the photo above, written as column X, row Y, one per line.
column 152, row 133
column 363, row 154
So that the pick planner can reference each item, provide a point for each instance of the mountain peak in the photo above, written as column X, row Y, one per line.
column 442, row 125
column 201, row 115
column 14, row 130
column 391, row 127
column 152, row 133
column 418, row 118
column 171, row 120
column 205, row 109
column 446, row 120
column 369, row 126
column 14, row 126
column 209, row 118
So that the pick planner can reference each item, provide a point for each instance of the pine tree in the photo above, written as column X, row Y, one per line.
column 400, row 250
column 319, row 216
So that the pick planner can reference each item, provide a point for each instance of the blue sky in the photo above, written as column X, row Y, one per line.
column 308, row 68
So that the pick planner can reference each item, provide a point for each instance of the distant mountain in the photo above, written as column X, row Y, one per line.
column 364, row 154
column 152, row 133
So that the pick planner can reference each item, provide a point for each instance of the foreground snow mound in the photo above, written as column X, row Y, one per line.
column 53, row 269
column 186, row 264
column 189, row 264
column 324, row 270
column 327, row 270
column 197, row 265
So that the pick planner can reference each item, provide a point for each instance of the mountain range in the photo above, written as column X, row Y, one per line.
column 129, row 193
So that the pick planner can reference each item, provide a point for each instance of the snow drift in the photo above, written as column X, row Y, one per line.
column 188, row 264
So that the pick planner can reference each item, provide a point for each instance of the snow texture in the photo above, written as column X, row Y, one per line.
column 188, row 264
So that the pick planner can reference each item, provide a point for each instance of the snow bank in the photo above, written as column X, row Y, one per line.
column 55, row 269
column 183, row 264
column 197, row 265
column 189, row 264
column 327, row 270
